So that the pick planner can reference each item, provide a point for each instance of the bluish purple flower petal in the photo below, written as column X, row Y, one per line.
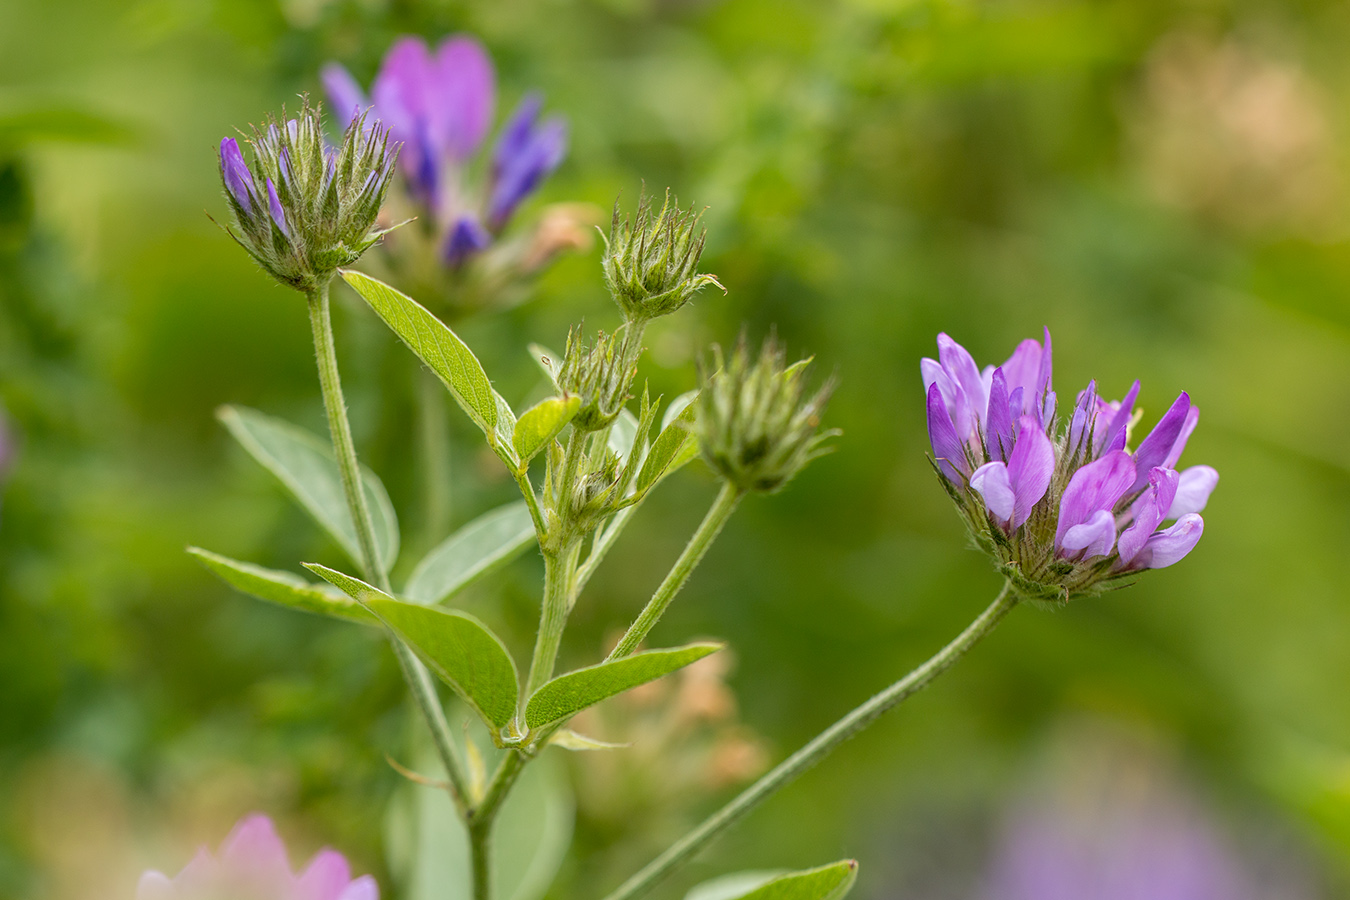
column 1174, row 455
column 1099, row 485
column 947, row 448
column 274, row 206
column 1023, row 369
column 345, row 95
column 1084, row 415
column 467, row 236
column 1156, row 447
column 1148, row 513
column 1095, row 537
column 1113, row 436
column 515, row 136
column 1193, row 490
column 461, row 96
column 1030, row 468
column 992, row 482
column 999, row 419
column 521, row 175
column 235, row 172
column 1172, row 544
column 963, row 371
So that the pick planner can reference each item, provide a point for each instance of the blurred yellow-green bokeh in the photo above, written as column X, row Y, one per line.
column 1165, row 184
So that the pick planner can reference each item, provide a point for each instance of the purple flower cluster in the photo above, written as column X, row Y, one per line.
column 253, row 866
column 439, row 106
column 1067, row 508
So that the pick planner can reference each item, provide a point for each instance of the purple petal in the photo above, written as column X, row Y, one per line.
column 1187, row 428
column 1044, row 379
column 991, row 482
column 400, row 93
column 1023, row 370
column 962, row 369
column 467, row 237
column 1096, row 486
column 998, row 420
column 274, row 205
column 1084, row 414
column 522, row 175
column 1030, row 467
column 461, row 96
column 363, row 888
column 1095, row 537
column 947, row 448
column 1113, row 436
column 1193, row 490
column 155, row 886
column 234, row 171
column 953, row 397
column 1171, row 545
column 255, row 848
column 515, row 136
column 345, row 95
column 1156, row 447
column 199, row 875
column 1148, row 512
column 325, row 878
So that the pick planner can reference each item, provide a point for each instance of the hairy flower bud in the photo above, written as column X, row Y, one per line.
column 304, row 209
column 755, row 424
column 600, row 374
column 651, row 260
column 1064, row 511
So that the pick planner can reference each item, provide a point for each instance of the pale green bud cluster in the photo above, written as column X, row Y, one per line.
column 651, row 260
column 756, row 426
column 601, row 374
column 305, row 209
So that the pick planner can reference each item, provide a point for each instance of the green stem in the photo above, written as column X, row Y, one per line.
column 532, row 501
column 480, row 857
column 558, row 571
column 725, row 504
column 819, row 747
column 419, row 682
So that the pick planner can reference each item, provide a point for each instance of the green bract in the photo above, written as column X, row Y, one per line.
column 651, row 260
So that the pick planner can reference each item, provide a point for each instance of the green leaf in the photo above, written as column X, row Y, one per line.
column 548, row 362
column 825, row 883
column 673, row 447
column 428, row 846
column 623, row 433
column 568, row 694
column 304, row 463
column 541, row 424
column 455, row 645
column 449, row 357
column 482, row 546
column 283, row 588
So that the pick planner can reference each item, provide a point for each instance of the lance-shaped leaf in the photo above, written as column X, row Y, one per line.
column 673, row 447
column 571, row 740
column 825, row 883
column 449, row 357
column 304, row 463
column 541, row 424
column 482, row 546
column 548, row 362
column 457, row 647
column 283, row 588
column 569, row 694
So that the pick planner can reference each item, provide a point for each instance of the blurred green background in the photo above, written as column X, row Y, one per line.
column 1164, row 184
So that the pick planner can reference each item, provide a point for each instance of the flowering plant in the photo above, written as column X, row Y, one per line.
column 1063, row 505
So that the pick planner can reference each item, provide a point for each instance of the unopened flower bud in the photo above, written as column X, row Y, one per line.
column 304, row 209
column 600, row 374
column 651, row 260
column 756, row 425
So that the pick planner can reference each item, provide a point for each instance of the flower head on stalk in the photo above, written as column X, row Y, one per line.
column 651, row 260
column 1065, row 507
column 439, row 104
column 252, row 865
column 304, row 209
column 756, row 425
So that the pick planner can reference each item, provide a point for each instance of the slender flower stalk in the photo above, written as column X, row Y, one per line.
column 817, row 749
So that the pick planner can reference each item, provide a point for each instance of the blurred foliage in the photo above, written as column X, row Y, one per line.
column 1162, row 183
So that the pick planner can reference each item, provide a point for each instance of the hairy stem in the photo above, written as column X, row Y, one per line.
column 480, row 857
column 419, row 682
column 725, row 504
column 817, row 749
column 559, row 569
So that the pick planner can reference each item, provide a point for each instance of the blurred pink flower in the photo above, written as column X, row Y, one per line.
column 252, row 865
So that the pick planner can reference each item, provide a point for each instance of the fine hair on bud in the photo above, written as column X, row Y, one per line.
column 600, row 373
column 757, row 425
column 651, row 258
column 303, row 208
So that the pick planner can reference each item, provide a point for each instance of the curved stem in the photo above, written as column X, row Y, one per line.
column 816, row 750
column 725, row 504
column 419, row 682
